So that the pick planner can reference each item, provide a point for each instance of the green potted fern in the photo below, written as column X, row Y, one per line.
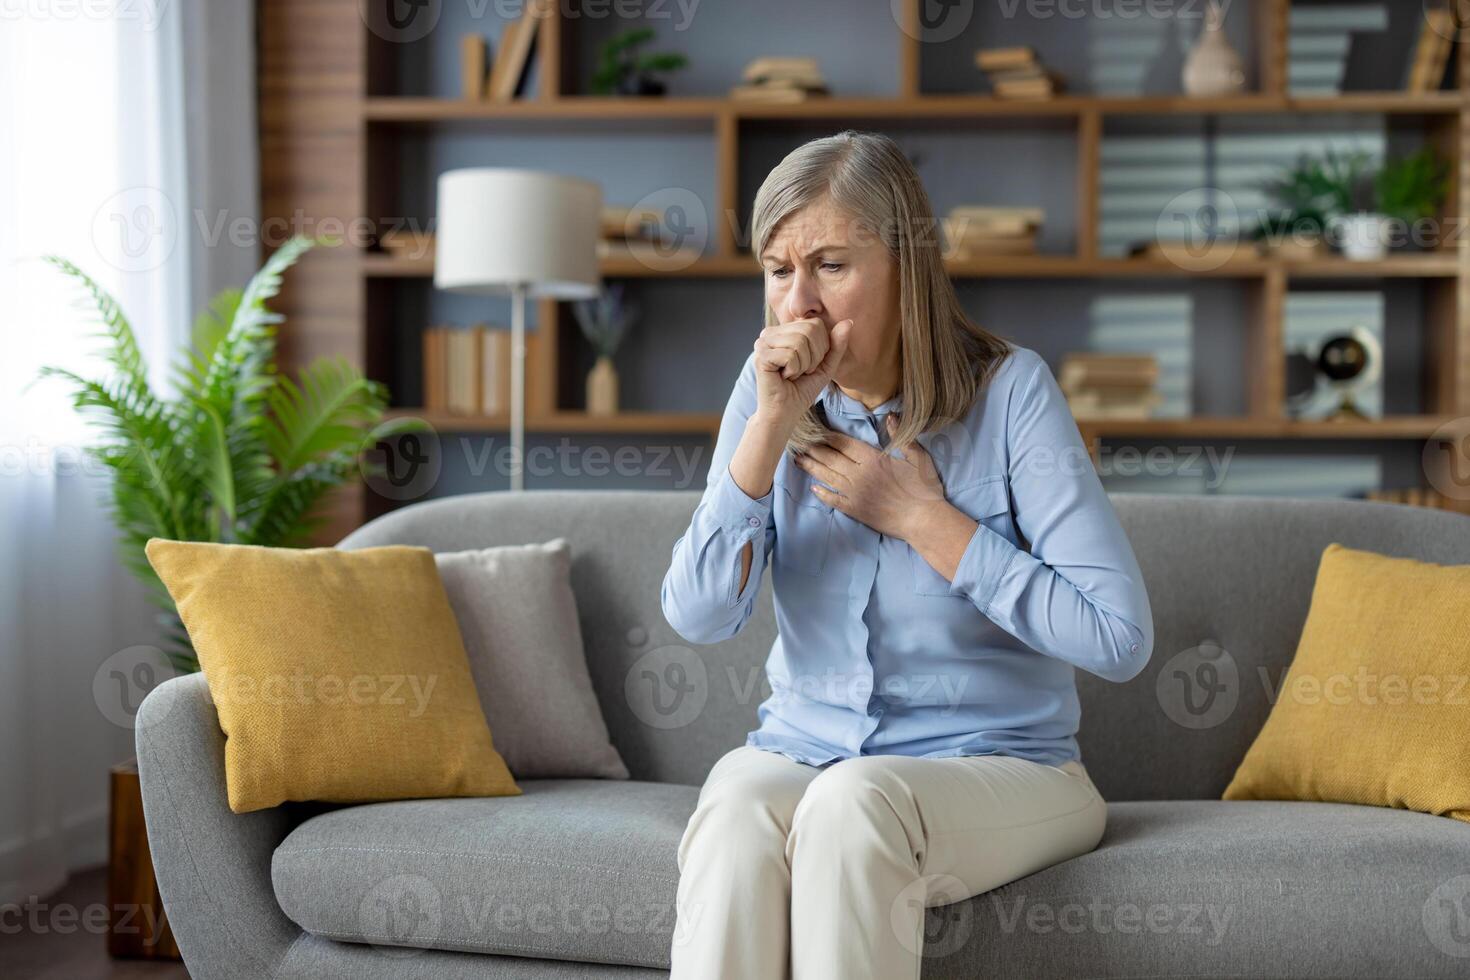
column 241, row 454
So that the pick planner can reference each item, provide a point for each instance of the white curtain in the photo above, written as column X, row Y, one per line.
column 105, row 113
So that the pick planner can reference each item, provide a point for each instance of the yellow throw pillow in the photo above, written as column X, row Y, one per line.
column 337, row 675
column 1373, row 707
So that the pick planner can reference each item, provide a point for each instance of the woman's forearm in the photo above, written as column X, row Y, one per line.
column 753, row 468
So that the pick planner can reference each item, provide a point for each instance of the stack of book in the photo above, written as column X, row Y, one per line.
column 1110, row 386
column 639, row 236
column 1016, row 73
column 407, row 243
column 974, row 230
column 1414, row 497
column 780, row 80
column 499, row 81
column 467, row 369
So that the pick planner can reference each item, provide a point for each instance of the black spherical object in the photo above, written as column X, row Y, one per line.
column 1342, row 358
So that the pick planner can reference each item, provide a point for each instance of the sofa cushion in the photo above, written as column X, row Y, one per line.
column 1372, row 709
column 518, row 616
column 1198, row 887
column 575, row 869
column 338, row 676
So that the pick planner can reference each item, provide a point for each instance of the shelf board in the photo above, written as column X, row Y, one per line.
column 411, row 110
column 1201, row 427
column 1420, row 265
column 1241, row 427
column 703, row 423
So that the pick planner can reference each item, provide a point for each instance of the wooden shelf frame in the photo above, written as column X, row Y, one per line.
column 327, row 137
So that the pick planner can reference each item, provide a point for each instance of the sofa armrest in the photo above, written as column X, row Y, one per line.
column 213, row 865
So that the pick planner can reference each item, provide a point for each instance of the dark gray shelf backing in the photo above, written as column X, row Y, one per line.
column 1272, row 467
column 472, row 463
column 658, row 170
column 1014, row 166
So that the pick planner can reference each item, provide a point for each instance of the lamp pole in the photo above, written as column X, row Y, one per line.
column 518, row 385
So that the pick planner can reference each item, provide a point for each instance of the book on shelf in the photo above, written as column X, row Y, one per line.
column 1110, row 386
column 780, row 80
column 1413, row 497
column 1437, row 29
column 1017, row 73
column 625, row 223
column 769, row 67
column 776, row 93
column 1040, row 86
column 467, row 369
column 975, row 229
column 407, row 243
column 472, row 67
column 656, row 255
column 1005, row 59
column 514, row 52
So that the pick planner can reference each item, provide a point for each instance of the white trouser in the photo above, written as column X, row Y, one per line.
column 791, row 870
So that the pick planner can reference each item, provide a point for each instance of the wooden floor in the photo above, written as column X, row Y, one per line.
column 49, row 953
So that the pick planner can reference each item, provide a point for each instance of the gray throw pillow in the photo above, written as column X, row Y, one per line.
column 518, row 615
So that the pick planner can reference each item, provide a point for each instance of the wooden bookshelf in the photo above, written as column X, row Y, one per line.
column 329, row 139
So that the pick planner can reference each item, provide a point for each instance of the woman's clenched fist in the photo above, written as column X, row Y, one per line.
column 793, row 363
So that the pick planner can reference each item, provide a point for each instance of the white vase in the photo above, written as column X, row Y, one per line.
column 602, row 388
column 1362, row 236
column 1213, row 67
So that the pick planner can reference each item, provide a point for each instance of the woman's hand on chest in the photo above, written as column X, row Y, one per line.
column 890, row 494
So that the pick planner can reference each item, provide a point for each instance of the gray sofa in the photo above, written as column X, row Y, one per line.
column 576, row 878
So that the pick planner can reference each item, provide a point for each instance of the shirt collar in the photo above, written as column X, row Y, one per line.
column 834, row 400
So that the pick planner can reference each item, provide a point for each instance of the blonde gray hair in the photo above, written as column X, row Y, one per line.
column 946, row 357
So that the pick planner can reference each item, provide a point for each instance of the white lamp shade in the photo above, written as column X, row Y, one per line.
column 500, row 226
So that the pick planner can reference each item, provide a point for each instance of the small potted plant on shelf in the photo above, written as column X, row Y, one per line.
column 622, row 70
column 604, row 322
column 1406, row 190
column 1411, row 189
column 1307, row 195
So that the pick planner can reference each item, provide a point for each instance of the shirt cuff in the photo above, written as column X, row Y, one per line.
column 982, row 567
column 736, row 510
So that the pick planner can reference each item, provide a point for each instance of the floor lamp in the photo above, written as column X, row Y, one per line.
column 506, row 231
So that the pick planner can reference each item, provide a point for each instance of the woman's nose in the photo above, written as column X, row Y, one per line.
column 803, row 299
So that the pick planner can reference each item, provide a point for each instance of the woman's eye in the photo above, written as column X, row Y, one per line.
column 778, row 273
column 831, row 265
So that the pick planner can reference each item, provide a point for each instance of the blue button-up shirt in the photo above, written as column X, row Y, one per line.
column 878, row 653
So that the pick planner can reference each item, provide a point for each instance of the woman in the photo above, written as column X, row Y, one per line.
column 887, row 458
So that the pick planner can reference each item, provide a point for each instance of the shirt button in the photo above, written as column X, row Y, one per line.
column 756, row 522
column 1134, row 648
